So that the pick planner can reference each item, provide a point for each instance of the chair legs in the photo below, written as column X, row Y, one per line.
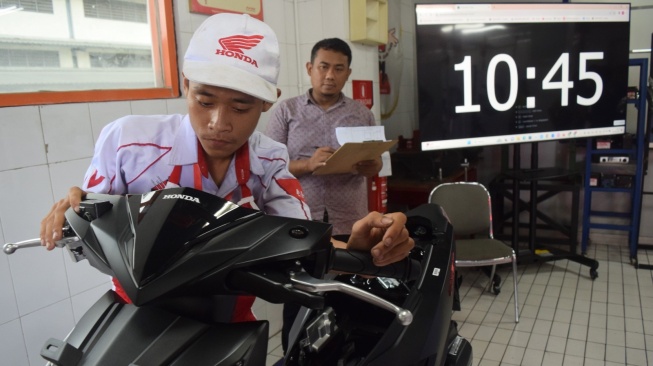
column 491, row 283
column 514, row 278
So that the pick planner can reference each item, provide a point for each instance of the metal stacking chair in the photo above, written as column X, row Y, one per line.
column 468, row 207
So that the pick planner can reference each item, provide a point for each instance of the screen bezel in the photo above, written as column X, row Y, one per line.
column 547, row 13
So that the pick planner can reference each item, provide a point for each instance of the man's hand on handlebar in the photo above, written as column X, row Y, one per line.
column 52, row 224
column 385, row 235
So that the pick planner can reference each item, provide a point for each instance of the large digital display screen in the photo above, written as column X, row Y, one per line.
column 505, row 73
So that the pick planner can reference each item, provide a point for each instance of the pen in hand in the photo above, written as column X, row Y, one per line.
column 314, row 149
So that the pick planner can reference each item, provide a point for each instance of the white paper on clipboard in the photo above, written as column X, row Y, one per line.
column 366, row 133
column 360, row 134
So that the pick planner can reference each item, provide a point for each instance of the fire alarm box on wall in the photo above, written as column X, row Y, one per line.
column 363, row 92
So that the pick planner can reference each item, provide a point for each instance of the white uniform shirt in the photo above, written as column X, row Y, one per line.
column 136, row 154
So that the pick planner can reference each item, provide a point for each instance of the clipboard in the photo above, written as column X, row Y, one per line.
column 352, row 152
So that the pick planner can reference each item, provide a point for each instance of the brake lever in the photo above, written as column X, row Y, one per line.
column 304, row 281
column 10, row 248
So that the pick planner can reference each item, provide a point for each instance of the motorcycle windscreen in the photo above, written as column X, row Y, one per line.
column 167, row 224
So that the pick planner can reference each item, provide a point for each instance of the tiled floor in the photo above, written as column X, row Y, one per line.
column 566, row 318
column 275, row 351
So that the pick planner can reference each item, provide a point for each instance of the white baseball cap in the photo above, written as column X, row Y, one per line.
column 235, row 51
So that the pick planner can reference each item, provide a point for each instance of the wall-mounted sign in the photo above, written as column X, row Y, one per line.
column 251, row 7
column 362, row 91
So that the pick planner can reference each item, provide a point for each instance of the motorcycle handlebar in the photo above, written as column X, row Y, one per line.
column 361, row 263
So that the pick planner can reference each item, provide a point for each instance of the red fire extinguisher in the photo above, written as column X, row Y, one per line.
column 377, row 194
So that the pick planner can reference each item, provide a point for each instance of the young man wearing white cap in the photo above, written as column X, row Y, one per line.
column 230, row 74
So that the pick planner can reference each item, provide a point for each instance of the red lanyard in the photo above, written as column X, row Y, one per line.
column 242, row 175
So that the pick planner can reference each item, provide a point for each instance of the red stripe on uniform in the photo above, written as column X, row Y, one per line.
column 166, row 148
column 294, row 189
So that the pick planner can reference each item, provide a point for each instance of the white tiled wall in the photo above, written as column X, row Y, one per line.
column 22, row 138
column 46, row 149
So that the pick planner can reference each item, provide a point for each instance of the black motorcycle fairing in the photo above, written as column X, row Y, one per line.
column 168, row 223
column 197, row 249
column 111, row 333
column 272, row 249
column 88, row 229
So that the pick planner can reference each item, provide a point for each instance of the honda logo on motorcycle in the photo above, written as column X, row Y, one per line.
column 181, row 196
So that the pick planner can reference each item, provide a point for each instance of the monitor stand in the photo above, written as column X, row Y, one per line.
column 537, row 179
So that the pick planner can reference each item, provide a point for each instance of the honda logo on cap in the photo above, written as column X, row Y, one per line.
column 233, row 47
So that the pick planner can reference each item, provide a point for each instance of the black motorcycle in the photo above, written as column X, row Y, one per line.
column 177, row 251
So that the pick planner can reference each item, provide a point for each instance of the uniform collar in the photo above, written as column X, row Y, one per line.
column 184, row 145
column 255, row 163
column 185, row 148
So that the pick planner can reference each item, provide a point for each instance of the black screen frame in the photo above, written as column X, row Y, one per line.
column 440, row 86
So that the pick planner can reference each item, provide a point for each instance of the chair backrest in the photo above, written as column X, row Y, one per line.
column 467, row 205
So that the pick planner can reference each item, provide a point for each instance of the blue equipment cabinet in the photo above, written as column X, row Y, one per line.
column 612, row 174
